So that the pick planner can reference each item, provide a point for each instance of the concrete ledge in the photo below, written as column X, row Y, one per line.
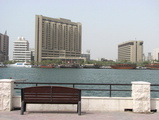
column 88, row 104
column 155, row 104
column 100, row 104
column 106, row 103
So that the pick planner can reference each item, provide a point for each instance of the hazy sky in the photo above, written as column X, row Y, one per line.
column 105, row 23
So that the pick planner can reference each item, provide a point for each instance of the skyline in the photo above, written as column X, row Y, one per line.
column 105, row 23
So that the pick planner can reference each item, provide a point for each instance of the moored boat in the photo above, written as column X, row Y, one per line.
column 2, row 65
column 47, row 66
column 20, row 64
column 91, row 66
column 69, row 66
column 124, row 66
column 152, row 66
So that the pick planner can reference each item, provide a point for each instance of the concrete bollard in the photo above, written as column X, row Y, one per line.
column 6, row 94
column 141, row 97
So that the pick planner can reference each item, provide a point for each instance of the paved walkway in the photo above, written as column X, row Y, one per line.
column 15, row 115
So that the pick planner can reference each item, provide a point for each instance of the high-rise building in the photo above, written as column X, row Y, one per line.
column 149, row 57
column 21, row 50
column 4, row 47
column 144, row 57
column 131, row 51
column 57, row 39
column 155, row 54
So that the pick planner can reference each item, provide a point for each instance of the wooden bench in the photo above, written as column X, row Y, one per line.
column 50, row 95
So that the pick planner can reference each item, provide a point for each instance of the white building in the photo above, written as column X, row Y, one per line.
column 21, row 50
column 155, row 54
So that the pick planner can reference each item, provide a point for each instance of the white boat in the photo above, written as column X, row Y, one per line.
column 20, row 64
column 2, row 65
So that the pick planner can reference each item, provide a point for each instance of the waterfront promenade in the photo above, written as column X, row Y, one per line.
column 15, row 115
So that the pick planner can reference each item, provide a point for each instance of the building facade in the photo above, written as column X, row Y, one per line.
column 4, row 47
column 149, row 57
column 57, row 39
column 131, row 51
column 155, row 54
column 21, row 50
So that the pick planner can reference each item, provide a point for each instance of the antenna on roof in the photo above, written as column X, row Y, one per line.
column 5, row 32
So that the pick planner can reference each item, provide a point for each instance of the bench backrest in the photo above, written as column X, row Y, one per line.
column 51, row 94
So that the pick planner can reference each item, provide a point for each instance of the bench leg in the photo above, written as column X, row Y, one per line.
column 79, row 108
column 22, row 108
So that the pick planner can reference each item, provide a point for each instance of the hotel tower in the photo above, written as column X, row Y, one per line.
column 131, row 51
column 57, row 39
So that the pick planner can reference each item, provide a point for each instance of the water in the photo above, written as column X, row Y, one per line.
column 82, row 76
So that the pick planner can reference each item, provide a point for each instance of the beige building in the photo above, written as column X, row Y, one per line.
column 57, row 39
column 131, row 51
column 4, row 47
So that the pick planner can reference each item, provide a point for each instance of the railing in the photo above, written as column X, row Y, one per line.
column 156, row 87
column 82, row 86
column 155, row 90
column 90, row 86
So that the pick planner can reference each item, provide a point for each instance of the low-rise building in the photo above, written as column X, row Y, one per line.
column 86, row 56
